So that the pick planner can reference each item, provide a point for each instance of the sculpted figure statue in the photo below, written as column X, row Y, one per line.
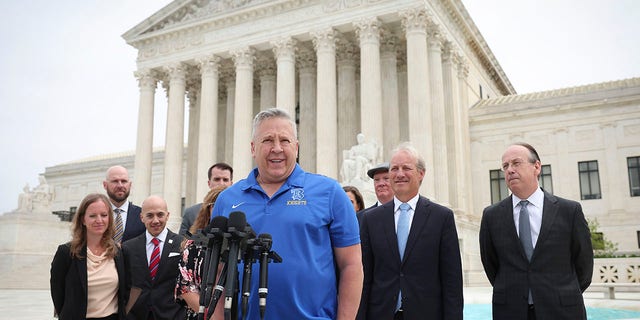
column 358, row 159
column 41, row 196
column 24, row 200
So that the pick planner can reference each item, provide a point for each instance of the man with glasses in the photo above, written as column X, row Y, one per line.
column 535, row 247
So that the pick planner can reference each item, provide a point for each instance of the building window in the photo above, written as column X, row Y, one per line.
column 589, row 180
column 544, row 179
column 633, row 165
column 498, row 186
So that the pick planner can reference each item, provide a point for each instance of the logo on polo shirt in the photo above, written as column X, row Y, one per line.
column 297, row 198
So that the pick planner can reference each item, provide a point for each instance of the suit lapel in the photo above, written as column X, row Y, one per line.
column 508, row 220
column 549, row 214
column 168, row 246
column 389, row 227
column 420, row 216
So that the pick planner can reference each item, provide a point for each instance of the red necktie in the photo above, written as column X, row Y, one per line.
column 155, row 258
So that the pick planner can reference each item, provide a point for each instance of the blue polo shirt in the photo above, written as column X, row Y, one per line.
column 308, row 216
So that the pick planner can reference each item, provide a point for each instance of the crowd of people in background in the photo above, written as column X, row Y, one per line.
column 397, row 259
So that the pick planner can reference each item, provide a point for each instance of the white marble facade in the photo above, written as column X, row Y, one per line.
column 395, row 71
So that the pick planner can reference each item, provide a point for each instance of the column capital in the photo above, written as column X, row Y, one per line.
column 388, row 42
column 265, row 65
column 284, row 48
column 243, row 57
column 463, row 67
column 368, row 30
column 346, row 51
column 415, row 20
column 324, row 39
column 306, row 59
column 176, row 71
column 147, row 78
column 449, row 52
column 208, row 64
column 435, row 36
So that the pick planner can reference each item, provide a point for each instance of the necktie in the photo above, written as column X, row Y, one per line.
column 117, row 236
column 524, row 228
column 155, row 258
column 402, row 234
column 403, row 228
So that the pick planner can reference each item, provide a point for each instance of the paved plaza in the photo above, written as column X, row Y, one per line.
column 19, row 304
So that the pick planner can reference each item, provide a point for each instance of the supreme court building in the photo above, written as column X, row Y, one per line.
column 409, row 70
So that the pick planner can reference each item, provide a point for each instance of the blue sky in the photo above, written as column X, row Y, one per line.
column 67, row 89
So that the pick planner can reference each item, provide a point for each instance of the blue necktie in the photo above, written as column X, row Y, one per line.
column 403, row 234
column 524, row 229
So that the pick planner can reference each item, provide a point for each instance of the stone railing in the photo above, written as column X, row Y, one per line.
column 616, row 270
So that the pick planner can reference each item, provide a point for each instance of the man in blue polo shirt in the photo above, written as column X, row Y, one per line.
column 311, row 221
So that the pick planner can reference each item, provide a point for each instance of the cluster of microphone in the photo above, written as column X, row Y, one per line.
column 229, row 241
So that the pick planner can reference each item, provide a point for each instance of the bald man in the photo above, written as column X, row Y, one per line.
column 117, row 185
column 151, row 262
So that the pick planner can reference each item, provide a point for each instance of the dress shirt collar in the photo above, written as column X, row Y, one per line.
column 536, row 199
column 413, row 202
column 162, row 236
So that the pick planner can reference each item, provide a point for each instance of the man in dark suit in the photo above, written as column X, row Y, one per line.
column 535, row 247
column 426, row 281
column 219, row 174
column 384, row 193
column 151, row 263
column 118, row 186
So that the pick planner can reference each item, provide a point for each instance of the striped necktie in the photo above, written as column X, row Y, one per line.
column 117, row 236
column 155, row 258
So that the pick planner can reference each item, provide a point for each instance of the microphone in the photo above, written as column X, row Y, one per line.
column 249, row 258
column 265, row 241
column 236, row 233
column 214, row 233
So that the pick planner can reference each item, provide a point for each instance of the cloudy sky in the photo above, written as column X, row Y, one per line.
column 67, row 89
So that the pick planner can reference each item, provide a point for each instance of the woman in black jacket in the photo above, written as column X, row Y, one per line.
column 87, row 273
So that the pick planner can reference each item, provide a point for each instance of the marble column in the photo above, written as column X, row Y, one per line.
column 613, row 185
column 267, row 73
column 285, row 52
column 230, row 85
column 390, row 107
column 368, row 33
column 147, row 81
column 243, row 113
column 174, row 144
column 438, row 116
column 306, row 60
column 348, row 110
column 193, row 95
column 414, row 23
column 455, row 154
column 208, row 126
column 465, row 136
column 403, row 97
column 326, row 116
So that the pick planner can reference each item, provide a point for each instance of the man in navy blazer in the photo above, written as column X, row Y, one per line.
column 118, row 186
column 539, row 274
column 384, row 193
column 428, row 277
column 152, row 298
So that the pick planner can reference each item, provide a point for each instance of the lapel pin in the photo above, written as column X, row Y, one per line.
column 170, row 241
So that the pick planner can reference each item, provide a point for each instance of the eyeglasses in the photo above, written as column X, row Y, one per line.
column 516, row 163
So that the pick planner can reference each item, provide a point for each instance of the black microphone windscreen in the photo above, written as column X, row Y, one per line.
column 219, row 222
column 237, row 220
column 266, row 240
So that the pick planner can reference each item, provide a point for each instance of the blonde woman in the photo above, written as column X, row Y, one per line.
column 87, row 273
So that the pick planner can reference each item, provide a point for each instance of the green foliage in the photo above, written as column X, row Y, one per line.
column 602, row 247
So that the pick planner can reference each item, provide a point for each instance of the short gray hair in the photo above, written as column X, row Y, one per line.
column 411, row 150
column 273, row 113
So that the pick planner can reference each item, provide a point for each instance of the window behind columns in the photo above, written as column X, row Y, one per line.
column 589, row 180
column 499, row 189
column 544, row 179
column 633, row 166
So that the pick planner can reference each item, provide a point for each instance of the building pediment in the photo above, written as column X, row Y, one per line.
column 186, row 12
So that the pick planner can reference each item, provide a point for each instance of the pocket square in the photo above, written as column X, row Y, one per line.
column 173, row 254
